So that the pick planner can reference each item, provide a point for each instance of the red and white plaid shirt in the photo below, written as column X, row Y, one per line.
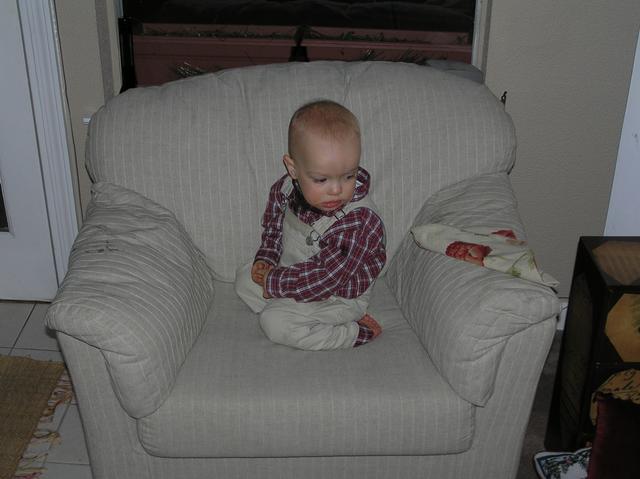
column 352, row 251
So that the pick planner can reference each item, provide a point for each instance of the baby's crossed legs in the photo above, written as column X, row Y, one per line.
column 317, row 325
column 329, row 324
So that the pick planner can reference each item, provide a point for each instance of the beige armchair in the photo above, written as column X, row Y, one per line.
column 173, row 375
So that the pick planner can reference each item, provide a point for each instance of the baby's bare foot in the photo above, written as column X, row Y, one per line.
column 369, row 330
column 372, row 324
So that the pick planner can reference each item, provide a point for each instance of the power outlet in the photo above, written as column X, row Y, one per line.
column 562, row 317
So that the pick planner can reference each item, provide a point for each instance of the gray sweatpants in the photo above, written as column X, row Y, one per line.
column 329, row 324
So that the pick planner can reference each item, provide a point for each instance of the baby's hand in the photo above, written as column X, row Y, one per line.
column 259, row 270
column 265, row 294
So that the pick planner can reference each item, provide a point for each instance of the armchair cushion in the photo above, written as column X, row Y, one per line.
column 209, row 147
column 240, row 395
column 463, row 314
column 138, row 289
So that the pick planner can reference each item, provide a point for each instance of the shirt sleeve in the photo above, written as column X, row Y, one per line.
column 271, row 245
column 351, row 257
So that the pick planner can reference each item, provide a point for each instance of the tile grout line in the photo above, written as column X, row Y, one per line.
column 64, row 417
column 57, row 350
column 30, row 316
column 24, row 325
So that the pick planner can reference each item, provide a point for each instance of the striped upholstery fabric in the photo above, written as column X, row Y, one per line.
column 137, row 289
column 464, row 314
column 208, row 148
column 239, row 395
column 495, row 452
column 158, row 375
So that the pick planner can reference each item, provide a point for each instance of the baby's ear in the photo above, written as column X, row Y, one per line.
column 290, row 165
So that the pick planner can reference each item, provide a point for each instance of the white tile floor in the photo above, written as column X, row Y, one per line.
column 23, row 333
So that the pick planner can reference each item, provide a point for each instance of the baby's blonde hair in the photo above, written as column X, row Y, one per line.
column 325, row 118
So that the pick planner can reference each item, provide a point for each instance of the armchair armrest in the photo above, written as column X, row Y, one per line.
column 137, row 289
column 464, row 314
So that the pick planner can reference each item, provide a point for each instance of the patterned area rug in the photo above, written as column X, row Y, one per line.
column 45, row 436
column 25, row 388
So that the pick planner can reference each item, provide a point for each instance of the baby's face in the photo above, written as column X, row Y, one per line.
column 326, row 170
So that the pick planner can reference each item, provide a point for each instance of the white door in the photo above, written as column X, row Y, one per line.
column 27, row 267
column 623, row 218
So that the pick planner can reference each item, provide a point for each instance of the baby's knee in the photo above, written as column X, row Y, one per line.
column 247, row 290
column 243, row 278
column 274, row 325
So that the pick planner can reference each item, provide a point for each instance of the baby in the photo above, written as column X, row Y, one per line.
column 322, row 242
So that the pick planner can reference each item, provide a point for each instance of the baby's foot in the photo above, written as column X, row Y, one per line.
column 369, row 330
column 372, row 324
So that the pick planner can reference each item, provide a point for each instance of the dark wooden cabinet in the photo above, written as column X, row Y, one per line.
column 601, row 336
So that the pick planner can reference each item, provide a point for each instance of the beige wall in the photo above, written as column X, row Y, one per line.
column 89, row 77
column 566, row 66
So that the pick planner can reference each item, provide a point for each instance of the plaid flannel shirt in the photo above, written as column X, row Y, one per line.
column 352, row 251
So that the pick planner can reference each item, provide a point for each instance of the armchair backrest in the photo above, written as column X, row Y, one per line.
column 208, row 148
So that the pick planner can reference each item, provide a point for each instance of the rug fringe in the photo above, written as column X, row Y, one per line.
column 32, row 464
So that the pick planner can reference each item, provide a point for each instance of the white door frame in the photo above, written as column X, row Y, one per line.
column 481, row 34
column 37, row 186
column 42, row 53
column 622, row 216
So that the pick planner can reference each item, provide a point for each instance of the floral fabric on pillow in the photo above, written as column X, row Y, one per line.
column 493, row 248
column 623, row 385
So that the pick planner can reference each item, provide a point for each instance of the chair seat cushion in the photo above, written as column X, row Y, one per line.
column 239, row 395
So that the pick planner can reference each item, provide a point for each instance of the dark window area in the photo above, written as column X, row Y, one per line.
column 163, row 40
column 433, row 15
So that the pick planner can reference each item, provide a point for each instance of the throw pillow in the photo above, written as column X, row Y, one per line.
column 493, row 248
column 137, row 289
column 464, row 315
